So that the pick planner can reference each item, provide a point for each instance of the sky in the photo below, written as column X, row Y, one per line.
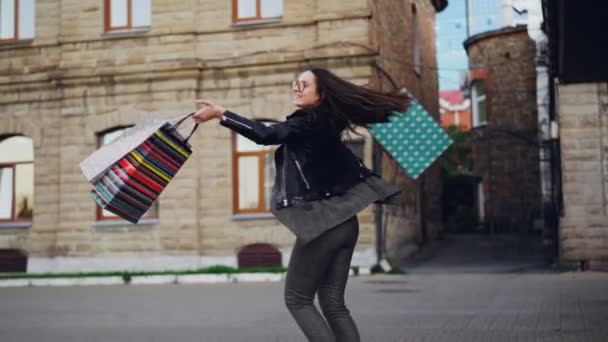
column 451, row 30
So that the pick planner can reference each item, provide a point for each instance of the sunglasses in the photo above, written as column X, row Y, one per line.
column 299, row 86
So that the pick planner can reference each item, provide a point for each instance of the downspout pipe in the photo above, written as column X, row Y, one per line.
column 547, row 161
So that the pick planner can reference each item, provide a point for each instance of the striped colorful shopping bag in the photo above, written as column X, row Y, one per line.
column 130, row 173
column 412, row 138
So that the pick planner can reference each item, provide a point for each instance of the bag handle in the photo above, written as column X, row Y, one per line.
column 182, row 120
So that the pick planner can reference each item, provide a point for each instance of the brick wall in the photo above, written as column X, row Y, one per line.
column 505, row 150
column 392, row 32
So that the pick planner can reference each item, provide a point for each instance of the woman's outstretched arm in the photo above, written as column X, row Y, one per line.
column 296, row 127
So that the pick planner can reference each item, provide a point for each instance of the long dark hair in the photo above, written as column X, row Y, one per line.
column 350, row 105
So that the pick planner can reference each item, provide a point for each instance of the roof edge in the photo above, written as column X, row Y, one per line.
column 493, row 33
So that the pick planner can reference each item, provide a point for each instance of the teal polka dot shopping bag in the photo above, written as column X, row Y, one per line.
column 412, row 138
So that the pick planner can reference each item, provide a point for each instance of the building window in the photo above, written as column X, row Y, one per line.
column 16, row 179
column 478, row 99
column 127, row 14
column 252, row 10
column 17, row 20
column 415, row 41
column 102, row 214
column 253, row 175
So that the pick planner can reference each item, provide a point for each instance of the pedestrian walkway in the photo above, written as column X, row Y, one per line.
column 465, row 290
column 454, row 307
column 475, row 253
column 467, row 307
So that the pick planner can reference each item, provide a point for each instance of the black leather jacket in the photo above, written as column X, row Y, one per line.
column 312, row 161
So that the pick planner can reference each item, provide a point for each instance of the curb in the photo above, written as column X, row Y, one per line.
column 159, row 279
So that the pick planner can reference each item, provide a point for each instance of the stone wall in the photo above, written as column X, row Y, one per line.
column 583, row 119
column 73, row 81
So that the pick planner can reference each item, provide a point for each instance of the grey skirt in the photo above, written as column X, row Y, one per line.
column 324, row 214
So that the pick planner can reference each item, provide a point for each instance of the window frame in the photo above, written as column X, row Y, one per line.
column 261, row 209
column 16, row 36
column 258, row 11
column 13, row 166
column 99, row 216
column 475, row 99
column 16, row 28
column 108, row 28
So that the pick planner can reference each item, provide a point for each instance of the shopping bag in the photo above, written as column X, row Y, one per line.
column 412, row 138
column 95, row 164
column 130, row 182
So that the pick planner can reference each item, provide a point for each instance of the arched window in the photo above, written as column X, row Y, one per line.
column 102, row 214
column 478, row 102
column 253, row 174
column 16, row 179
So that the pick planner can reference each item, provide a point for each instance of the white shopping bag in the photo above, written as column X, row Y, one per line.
column 99, row 161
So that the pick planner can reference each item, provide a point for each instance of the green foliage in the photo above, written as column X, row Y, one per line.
column 457, row 158
column 126, row 276
column 216, row 269
column 377, row 269
column 396, row 270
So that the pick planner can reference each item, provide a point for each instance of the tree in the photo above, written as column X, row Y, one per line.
column 457, row 158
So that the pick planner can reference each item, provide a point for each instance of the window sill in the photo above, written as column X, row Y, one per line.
column 254, row 216
column 127, row 32
column 143, row 223
column 256, row 22
column 16, row 43
column 480, row 124
column 16, row 225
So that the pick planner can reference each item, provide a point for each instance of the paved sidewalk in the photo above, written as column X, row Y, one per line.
column 466, row 290
column 475, row 253
column 419, row 307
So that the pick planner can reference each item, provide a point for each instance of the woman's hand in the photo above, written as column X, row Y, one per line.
column 208, row 112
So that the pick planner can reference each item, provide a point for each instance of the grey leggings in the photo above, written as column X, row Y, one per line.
column 322, row 267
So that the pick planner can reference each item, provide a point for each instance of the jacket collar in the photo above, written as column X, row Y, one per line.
column 300, row 112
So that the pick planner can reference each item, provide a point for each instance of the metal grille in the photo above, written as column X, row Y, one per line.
column 259, row 255
column 12, row 260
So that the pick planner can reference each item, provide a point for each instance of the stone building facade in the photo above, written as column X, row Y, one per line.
column 504, row 138
column 578, row 113
column 89, row 69
column 583, row 132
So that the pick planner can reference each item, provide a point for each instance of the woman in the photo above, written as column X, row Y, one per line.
column 319, row 188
